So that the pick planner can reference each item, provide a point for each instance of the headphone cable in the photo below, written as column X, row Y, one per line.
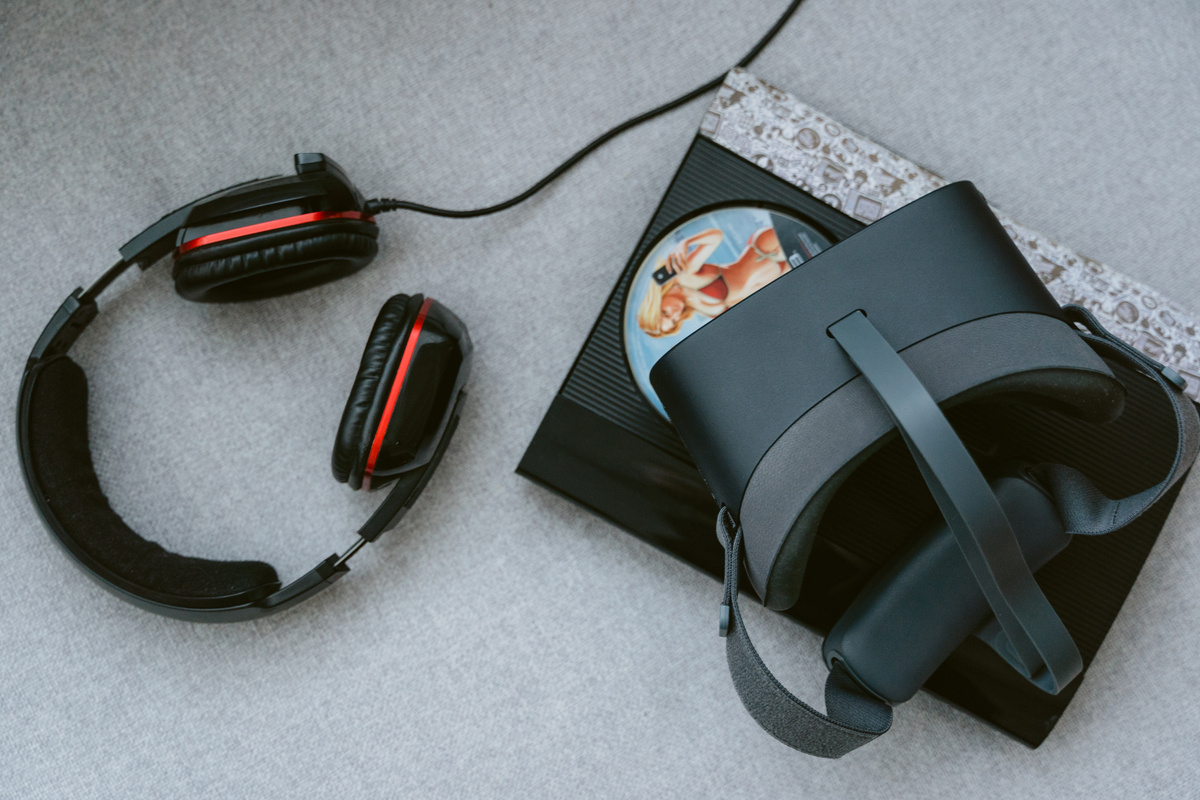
column 383, row 205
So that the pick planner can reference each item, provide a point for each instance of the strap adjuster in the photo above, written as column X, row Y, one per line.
column 1087, row 319
column 1173, row 377
column 723, row 630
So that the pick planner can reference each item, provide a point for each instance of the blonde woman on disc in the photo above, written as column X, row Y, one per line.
column 696, row 286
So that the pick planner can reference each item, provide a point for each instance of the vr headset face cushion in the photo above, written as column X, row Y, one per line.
column 376, row 372
column 1008, row 357
column 275, row 262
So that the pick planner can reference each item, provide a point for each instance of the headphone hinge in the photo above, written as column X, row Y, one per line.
column 63, row 328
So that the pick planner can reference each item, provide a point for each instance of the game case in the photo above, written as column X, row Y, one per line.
column 768, row 183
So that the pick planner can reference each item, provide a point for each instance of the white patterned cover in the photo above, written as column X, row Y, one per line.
column 855, row 175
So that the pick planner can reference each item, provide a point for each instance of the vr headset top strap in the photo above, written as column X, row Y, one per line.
column 1042, row 646
column 1027, row 633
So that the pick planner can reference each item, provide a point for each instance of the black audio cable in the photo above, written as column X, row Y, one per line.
column 382, row 205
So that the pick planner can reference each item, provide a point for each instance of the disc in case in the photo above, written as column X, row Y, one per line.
column 705, row 265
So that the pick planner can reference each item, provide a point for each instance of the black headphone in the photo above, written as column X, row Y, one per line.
column 251, row 241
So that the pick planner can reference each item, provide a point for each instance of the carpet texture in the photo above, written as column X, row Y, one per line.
column 502, row 641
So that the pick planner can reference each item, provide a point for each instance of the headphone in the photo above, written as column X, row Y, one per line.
column 251, row 241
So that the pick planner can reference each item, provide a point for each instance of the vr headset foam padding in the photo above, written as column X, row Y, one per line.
column 1015, row 356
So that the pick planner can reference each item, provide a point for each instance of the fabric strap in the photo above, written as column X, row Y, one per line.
column 853, row 716
column 1045, row 652
column 1084, row 509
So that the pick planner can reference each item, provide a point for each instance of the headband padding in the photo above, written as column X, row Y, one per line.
column 364, row 407
column 63, row 470
column 276, row 262
column 1007, row 357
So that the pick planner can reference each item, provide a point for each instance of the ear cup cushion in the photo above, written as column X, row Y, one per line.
column 1017, row 356
column 379, row 362
column 63, row 469
column 275, row 262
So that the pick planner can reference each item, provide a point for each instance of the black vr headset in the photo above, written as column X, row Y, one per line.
column 783, row 400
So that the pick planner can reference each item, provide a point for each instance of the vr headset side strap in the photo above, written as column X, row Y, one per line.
column 853, row 717
column 1085, row 510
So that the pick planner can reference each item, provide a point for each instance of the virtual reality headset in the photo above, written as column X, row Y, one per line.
column 790, row 400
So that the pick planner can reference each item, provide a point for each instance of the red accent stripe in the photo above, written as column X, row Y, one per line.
column 397, row 384
column 272, row 225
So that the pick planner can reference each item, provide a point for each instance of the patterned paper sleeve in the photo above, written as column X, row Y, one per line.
column 865, row 180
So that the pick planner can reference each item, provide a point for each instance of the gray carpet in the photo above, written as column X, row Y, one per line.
column 504, row 642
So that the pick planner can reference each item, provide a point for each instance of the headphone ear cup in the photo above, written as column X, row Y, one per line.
column 274, row 263
column 376, row 372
